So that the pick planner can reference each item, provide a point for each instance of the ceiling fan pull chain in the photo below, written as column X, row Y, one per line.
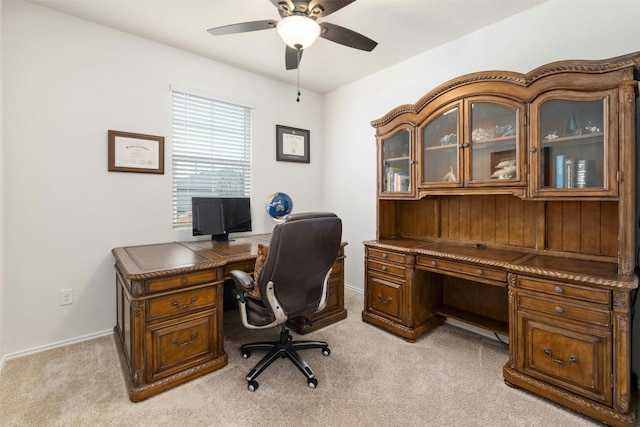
column 298, row 70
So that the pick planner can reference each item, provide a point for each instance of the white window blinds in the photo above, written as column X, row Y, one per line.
column 211, row 151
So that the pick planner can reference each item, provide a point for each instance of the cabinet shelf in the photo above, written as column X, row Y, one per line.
column 442, row 147
column 477, row 320
column 398, row 159
column 577, row 139
column 508, row 138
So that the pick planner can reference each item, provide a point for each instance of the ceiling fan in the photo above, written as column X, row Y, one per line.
column 299, row 29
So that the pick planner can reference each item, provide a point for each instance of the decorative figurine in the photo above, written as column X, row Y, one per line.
column 450, row 176
column 505, row 130
column 449, row 139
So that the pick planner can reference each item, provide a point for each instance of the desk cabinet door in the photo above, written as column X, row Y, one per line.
column 572, row 355
column 176, row 345
column 385, row 298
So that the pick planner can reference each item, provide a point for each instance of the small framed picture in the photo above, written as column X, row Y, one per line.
column 135, row 152
column 292, row 144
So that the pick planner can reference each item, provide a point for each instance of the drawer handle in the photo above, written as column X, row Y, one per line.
column 186, row 343
column 480, row 272
column 384, row 268
column 182, row 307
column 247, row 267
column 572, row 359
column 559, row 309
column 433, row 263
column 559, row 290
column 383, row 300
column 184, row 280
column 384, row 255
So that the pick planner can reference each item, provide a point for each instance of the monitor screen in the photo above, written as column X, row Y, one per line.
column 219, row 216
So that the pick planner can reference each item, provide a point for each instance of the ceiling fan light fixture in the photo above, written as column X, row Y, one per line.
column 297, row 31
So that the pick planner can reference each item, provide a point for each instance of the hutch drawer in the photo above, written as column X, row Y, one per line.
column 182, row 302
column 576, row 358
column 173, row 282
column 385, row 268
column 461, row 268
column 566, row 308
column 386, row 255
column 564, row 289
column 177, row 345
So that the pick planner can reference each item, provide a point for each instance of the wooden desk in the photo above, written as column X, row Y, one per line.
column 568, row 320
column 169, row 326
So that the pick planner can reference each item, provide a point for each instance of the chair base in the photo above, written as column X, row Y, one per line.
column 285, row 347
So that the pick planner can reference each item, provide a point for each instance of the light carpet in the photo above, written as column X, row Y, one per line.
column 448, row 377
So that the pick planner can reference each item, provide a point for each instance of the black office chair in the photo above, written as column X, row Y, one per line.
column 292, row 282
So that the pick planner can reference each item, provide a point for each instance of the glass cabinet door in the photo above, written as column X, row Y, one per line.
column 571, row 137
column 441, row 149
column 396, row 173
column 494, row 157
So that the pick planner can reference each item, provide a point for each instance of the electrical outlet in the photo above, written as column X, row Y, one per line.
column 66, row 296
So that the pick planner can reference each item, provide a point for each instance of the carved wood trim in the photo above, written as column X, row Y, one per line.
column 603, row 412
column 518, row 79
column 629, row 283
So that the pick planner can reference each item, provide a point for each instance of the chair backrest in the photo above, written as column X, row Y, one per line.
column 303, row 248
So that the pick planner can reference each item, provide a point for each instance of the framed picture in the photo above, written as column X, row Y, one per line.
column 135, row 152
column 292, row 144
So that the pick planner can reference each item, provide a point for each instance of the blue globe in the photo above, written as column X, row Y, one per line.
column 278, row 205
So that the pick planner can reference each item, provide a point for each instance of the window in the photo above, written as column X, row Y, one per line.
column 211, row 151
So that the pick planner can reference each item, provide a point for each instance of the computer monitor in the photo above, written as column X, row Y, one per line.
column 219, row 216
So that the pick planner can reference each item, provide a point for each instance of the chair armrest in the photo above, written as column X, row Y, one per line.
column 243, row 282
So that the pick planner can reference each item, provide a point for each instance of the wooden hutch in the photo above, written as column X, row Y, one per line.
column 507, row 201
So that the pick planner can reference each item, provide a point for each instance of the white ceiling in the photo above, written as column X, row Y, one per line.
column 402, row 28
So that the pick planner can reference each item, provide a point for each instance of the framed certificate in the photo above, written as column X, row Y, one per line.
column 135, row 152
column 292, row 144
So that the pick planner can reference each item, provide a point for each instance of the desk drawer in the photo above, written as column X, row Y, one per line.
column 600, row 296
column 565, row 308
column 246, row 266
column 173, row 282
column 176, row 346
column 386, row 256
column 182, row 302
column 467, row 269
column 385, row 268
column 385, row 298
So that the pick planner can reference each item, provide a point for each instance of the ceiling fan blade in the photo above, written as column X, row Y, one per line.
column 327, row 7
column 291, row 58
column 243, row 27
column 344, row 36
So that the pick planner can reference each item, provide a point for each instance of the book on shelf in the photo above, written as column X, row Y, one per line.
column 569, row 173
column 585, row 173
column 546, row 167
column 560, row 171
column 396, row 181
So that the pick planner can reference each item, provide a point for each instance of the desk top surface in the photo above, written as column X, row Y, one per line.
column 587, row 271
column 138, row 261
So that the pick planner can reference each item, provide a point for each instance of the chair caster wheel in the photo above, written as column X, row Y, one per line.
column 326, row 351
column 312, row 383
column 246, row 354
column 252, row 385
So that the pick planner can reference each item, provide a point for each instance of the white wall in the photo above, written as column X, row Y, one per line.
column 67, row 81
column 553, row 31
column 2, row 282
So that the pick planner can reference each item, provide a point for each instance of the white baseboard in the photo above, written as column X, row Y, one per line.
column 39, row 349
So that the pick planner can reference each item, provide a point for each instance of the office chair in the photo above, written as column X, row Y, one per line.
column 292, row 282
